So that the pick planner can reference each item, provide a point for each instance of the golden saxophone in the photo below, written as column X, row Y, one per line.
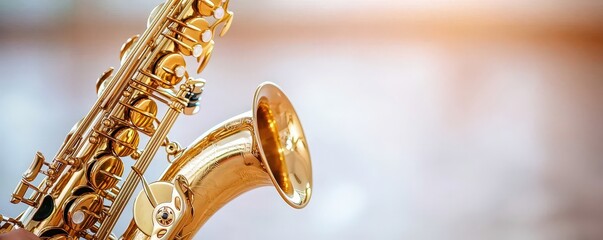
column 83, row 192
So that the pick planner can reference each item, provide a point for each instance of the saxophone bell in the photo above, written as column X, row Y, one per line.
column 282, row 145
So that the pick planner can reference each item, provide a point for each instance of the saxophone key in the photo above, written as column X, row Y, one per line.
column 170, row 69
column 102, row 81
column 83, row 212
column 203, row 60
column 143, row 113
column 194, row 36
column 126, row 48
column 125, row 141
column 207, row 8
column 35, row 167
column 20, row 191
column 153, row 14
column 105, row 172
column 228, row 20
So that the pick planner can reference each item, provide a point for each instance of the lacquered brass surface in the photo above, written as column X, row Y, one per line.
column 238, row 155
column 170, row 69
column 283, row 145
column 86, row 184
column 127, row 47
column 126, row 141
column 34, row 169
column 206, row 7
column 193, row 37
column 143, row 113
column 101, row 83
column 83, row 212
column 143, row 206
column 105, row 172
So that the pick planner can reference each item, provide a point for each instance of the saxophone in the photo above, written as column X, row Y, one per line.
column 84, row 188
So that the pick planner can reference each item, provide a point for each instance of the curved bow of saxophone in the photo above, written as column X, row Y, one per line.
column 87, row 185
column 265, row 146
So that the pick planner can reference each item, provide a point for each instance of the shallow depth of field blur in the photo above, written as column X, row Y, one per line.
column 425, row 119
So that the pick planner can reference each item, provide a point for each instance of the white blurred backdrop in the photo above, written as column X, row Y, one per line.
column 425, row 119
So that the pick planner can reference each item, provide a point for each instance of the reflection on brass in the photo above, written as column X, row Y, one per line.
column 192, row 37
column 82, row 212
column 170, row 69
column 143, row 113
column 206, row 7
column 240, row 154
column 101, row 83
column 105, row 172
column 126, row 141
column 143, row 206
column 85, row 189
column 127, row 47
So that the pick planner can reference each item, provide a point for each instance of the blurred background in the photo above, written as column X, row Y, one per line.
column 426, row 119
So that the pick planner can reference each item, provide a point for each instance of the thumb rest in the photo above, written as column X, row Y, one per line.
column 83, row 193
